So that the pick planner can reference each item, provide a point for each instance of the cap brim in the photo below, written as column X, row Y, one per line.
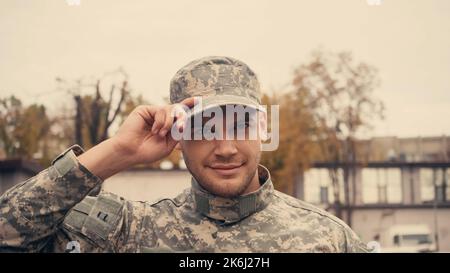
column 210, row 102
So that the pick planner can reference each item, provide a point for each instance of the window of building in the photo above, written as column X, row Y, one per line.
column 382, row 194
column 434, row 183
column 393, row 185
column 324, row 195
column 438, row 177
column 369, row 185
column 447, row 185
column 312, row 182
column 381, row 185
column 426, row 185
column 318, row 186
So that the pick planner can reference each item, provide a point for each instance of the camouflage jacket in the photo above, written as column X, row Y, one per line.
column 54, row 210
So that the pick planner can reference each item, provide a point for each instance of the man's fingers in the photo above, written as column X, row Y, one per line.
column 147, row 113
column 190, row 102
column 167, row 123
column 179, row 114
column 181, row 122
column 160, row 117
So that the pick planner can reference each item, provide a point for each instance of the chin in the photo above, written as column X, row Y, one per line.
column 227, row 187
column 227, row 193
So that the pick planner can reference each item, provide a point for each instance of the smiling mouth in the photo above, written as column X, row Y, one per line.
column 226, row 169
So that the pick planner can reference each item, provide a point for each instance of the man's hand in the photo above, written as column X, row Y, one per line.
column 145, row 134
column 144, row 137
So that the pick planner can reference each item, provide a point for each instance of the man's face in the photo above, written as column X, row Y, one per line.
column 226, row 167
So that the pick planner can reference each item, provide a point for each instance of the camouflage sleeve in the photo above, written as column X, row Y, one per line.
column 31, row 212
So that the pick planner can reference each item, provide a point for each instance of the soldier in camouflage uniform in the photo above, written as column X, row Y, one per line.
column 231, row 206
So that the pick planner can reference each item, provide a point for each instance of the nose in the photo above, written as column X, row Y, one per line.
column 225, row 148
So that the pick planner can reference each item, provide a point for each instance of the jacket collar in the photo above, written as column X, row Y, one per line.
column 233, row 209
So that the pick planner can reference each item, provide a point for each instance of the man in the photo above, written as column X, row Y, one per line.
column 231, row 206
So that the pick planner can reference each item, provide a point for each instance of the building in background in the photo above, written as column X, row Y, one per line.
column 404, row 182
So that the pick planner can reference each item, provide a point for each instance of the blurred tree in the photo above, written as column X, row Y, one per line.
column 338, row 93
column 95, row 113
column 23, row 130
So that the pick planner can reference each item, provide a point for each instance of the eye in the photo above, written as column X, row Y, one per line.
column 242, row 125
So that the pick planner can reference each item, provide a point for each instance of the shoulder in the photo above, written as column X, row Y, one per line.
column 317, row 219
column 301, row 207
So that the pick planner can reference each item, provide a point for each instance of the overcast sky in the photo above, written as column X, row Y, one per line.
column 407, row 40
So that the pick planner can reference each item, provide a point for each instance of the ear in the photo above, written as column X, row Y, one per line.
column 178, row 146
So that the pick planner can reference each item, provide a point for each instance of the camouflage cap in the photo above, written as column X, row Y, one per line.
column 218, row 81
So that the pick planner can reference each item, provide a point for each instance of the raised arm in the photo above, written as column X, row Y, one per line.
column 31, row 212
